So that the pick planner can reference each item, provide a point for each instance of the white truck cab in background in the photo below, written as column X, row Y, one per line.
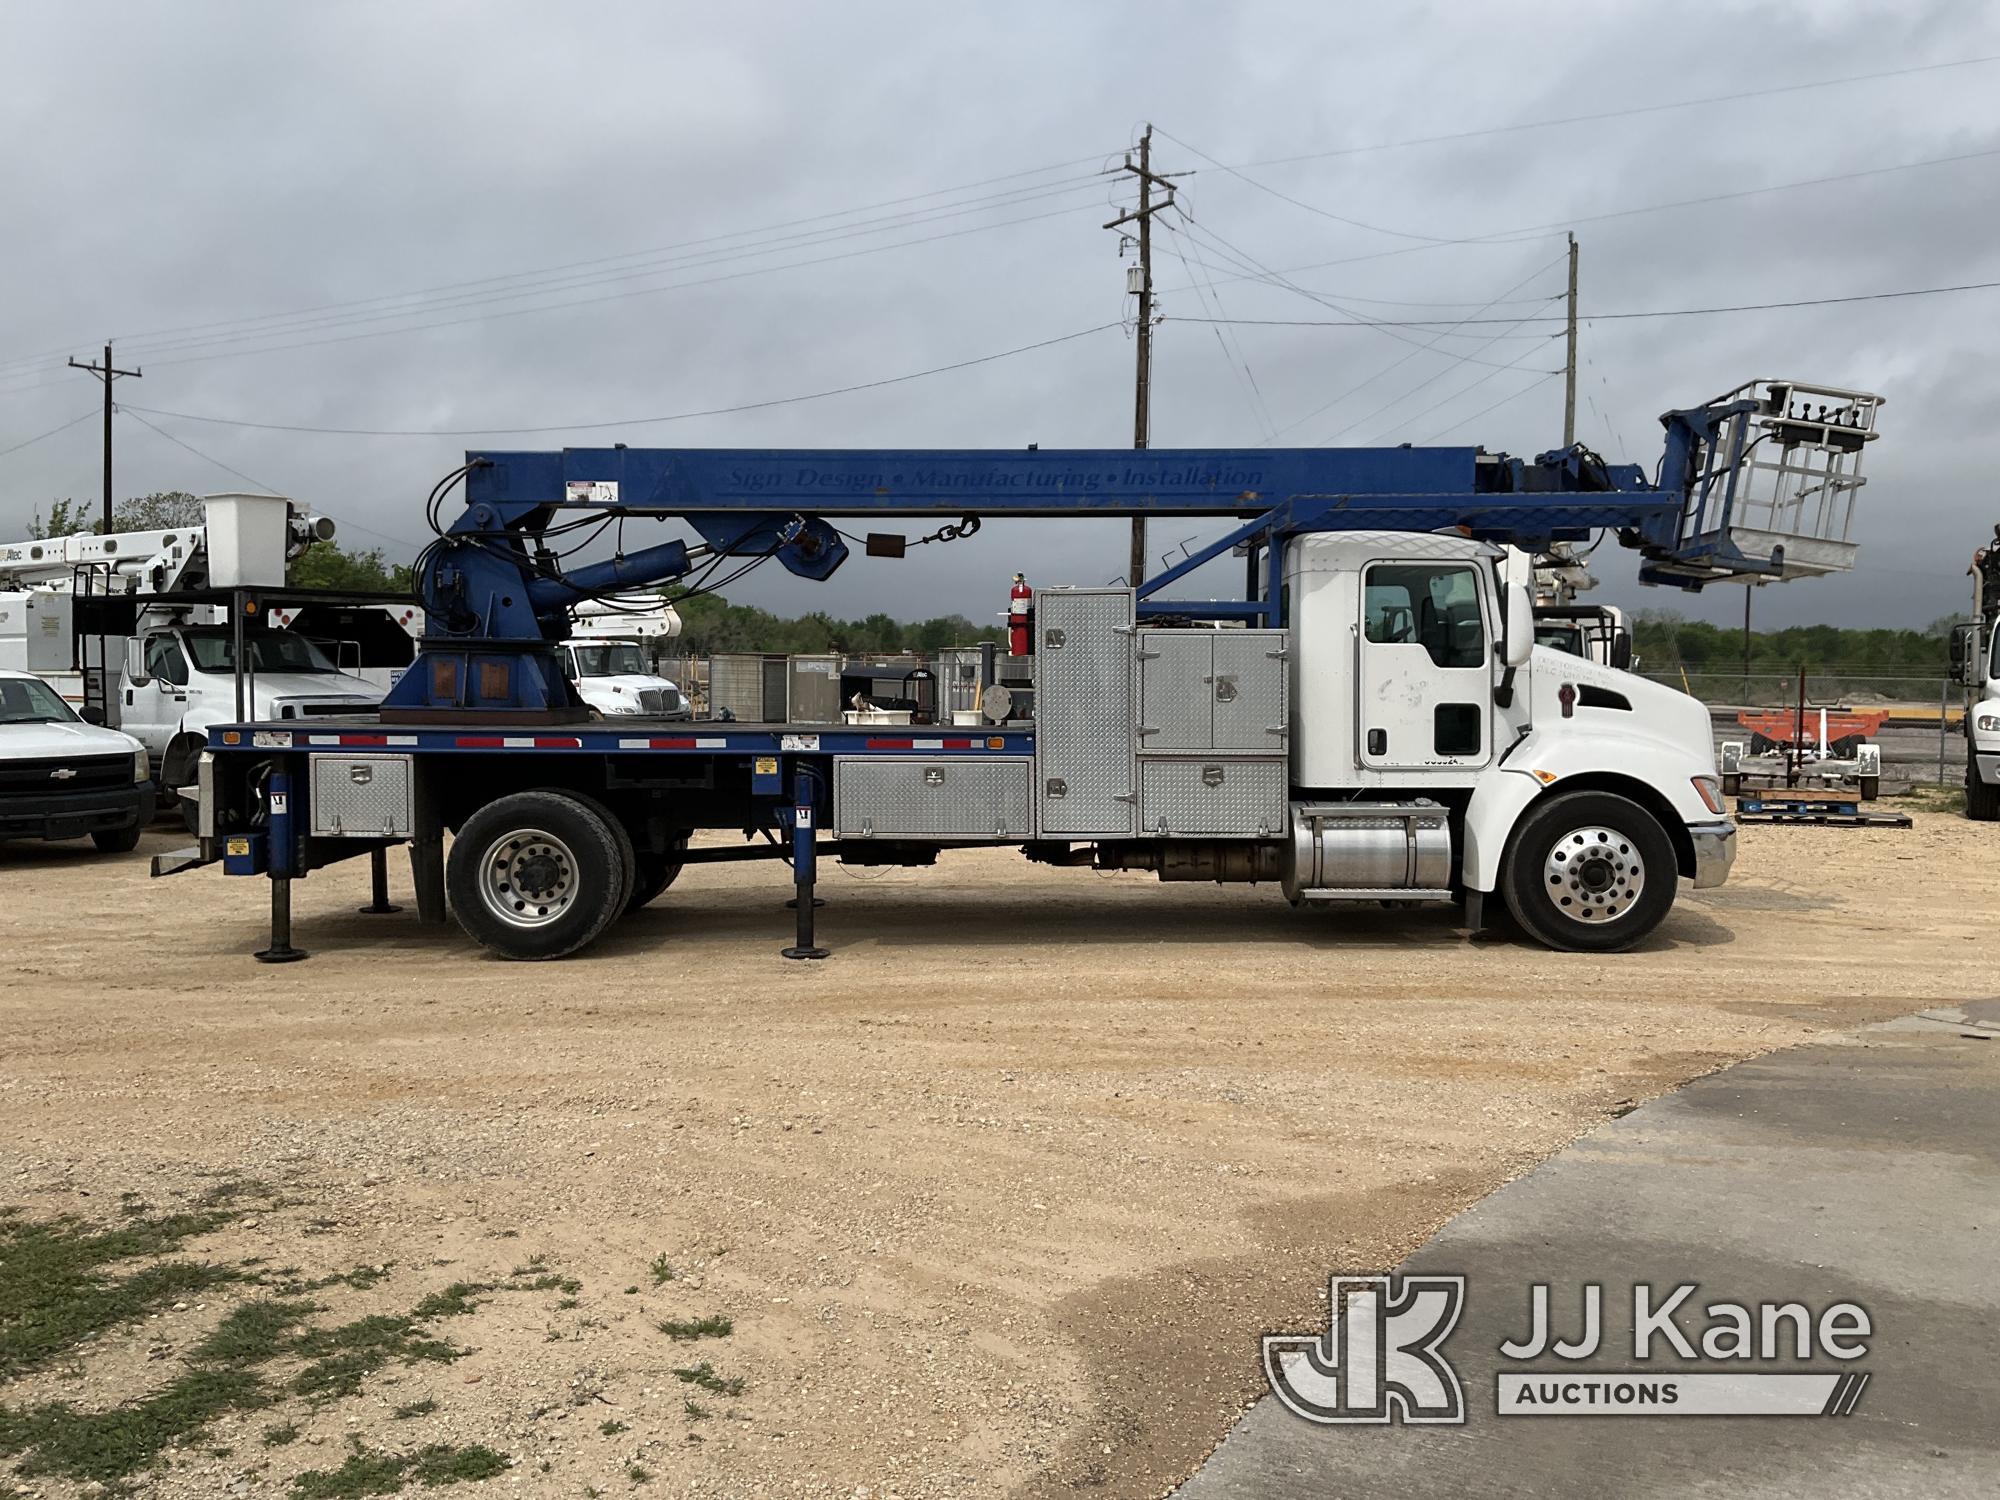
column 170, row 676
column 1975, row 663
column 609, row 656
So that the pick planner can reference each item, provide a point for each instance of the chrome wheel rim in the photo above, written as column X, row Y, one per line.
column 527, row 878
column 1594, row 874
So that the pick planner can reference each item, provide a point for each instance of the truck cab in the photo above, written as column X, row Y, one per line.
column 180, row 679
column 613, row 677
column 1578, row 792
column 1975, row 663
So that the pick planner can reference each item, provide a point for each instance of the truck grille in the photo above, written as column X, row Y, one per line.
column 653, row 700
column 40, row 778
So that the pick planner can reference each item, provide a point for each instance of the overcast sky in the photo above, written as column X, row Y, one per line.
column 348, row 172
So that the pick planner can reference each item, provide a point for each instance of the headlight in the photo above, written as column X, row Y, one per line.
column 142, row 770
column 1709, row 790
column 1988, row 723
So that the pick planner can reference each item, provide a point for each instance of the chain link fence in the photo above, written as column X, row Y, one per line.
column 1922, row 735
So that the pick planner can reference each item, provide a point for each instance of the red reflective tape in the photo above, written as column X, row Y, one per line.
column 890, row 744
column 557, row 742
column 672, row 744
column 958, row 744
column 478, row 742
column 364, row 739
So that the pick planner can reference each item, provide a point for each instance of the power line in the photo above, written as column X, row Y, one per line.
column 670, row 265
column 1592, row 317
column 1545, row 231
column 1465, row 421
column 572, row 266
column 1617, row 114
column 65, row 427
column 1429, row 380
column 683, row 416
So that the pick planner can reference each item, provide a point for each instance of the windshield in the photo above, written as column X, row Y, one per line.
column 27, row 700
column 613, row 659
column 270, row 651
column 1564, row 638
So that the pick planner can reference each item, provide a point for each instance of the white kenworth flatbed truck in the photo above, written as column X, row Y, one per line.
column 1371, row 721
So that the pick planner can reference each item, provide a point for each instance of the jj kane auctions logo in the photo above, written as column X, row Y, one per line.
column 1382, row 1358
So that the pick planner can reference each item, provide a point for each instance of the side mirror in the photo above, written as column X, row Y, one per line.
column 1621, row 650
column 1962, row 651
column 1519, row 640
column 135, row 661
column 91, row 714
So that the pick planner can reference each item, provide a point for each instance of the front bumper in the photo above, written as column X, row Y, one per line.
column 59, row 816
column 1714, row 852
column 1988, row 762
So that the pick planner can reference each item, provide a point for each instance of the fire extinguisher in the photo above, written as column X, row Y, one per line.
column 1020, row 617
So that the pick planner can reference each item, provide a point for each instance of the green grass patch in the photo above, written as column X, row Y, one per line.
column 108, row 1446
column 611, row 1427
column 368, row 1472
column 421, row 1408
column 281, row 1435
column 662, row 1270
column 704, row 1375
column 455, row 1301
column 57, row 1290
column 339, row 1359
column 696, row 1412
column 688, row 1330
column 253, row 1333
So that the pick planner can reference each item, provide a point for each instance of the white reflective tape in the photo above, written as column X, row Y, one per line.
column 701, row 744
column 402, row 739
column 517, row 742
column 322, row 739
column 927, row 744
column 635, row 744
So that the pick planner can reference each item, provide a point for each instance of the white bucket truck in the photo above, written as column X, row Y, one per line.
column 130, row 631
column 609, row 656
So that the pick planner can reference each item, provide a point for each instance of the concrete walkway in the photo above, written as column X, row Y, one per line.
column 1863, row 1168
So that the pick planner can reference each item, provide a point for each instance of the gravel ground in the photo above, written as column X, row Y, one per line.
column 997, row 1200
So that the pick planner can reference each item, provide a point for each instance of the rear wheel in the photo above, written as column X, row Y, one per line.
column 536, row 875
column 116, row 840
column 1982, row 800
column 1590, row 872
column 1871, row 788
column 656, row 872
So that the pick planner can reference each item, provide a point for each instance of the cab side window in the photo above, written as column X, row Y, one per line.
column 1431, row 605
column 165, row 661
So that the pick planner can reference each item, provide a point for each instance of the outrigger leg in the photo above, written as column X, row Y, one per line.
column 804, row 864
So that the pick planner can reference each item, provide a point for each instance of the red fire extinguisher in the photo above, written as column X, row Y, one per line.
column 1020, row 611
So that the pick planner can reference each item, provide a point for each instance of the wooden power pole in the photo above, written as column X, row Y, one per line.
column 1140, row 283
column 107, row 373
column 1569, row 367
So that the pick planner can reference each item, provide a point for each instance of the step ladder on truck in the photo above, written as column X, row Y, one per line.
column 1370, row 721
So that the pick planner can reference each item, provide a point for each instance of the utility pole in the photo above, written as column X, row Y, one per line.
column 1569, row 368
column 1140, row 282
column 106, row 372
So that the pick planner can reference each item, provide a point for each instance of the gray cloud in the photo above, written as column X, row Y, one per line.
column 175, row 166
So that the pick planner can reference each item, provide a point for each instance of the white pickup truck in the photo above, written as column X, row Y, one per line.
column 61, row 778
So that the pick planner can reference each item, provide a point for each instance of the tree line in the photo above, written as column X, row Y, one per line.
column 1664, row 641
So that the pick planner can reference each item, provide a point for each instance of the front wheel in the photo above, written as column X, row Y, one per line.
column 536, row 875
column 1982, row 799
column 1590, row 872
column 116, row 840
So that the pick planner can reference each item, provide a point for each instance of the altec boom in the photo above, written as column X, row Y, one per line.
column 1368, row 721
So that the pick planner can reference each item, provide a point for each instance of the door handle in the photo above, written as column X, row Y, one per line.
column 1378, row 742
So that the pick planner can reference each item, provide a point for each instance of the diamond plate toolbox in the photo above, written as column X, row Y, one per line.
column 1208, row 692
column 960, row 797
column 362, row 797
column 1083, row 711
column 1185, row 797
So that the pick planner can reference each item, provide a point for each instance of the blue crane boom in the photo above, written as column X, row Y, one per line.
column 498, row 597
